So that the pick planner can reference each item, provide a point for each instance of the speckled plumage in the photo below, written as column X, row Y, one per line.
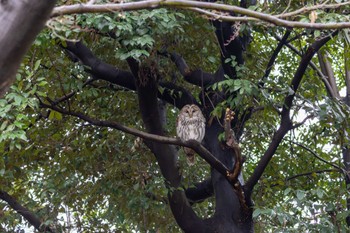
column 190, row 124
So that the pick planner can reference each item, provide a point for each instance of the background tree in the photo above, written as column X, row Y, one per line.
column 90, row 81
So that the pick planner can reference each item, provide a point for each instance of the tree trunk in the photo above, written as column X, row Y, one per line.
column 21, row 21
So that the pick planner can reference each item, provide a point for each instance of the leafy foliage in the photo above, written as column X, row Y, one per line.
column 74, row 175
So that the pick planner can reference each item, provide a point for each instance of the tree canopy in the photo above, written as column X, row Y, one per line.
column 88, row 136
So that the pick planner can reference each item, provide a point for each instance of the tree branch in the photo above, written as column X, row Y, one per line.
column 301, row 70
column 286, row 123
column 274, row 57
column 191, row 5
column 169, row 92
column 200, row 191
column 71, row 94
column 307, row 9
column 307, row 174
column 24, row 212
column 303, row 121
column 327, row 70
column 313, row 66
column 317, row 156
column 196, row 77
column 147, row 89
column 201, row 150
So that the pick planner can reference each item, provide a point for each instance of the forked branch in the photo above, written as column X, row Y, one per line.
column 286, row 123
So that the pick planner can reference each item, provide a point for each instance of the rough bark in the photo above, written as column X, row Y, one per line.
column 21, row 21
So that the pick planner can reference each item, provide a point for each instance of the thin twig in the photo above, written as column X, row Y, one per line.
column 317, row 156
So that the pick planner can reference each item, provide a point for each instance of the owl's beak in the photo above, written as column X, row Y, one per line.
column 191, row 114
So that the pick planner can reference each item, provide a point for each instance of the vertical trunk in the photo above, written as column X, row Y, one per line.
column 346, row 161
column 229, row 215
column 346, row 149
column 21, row 21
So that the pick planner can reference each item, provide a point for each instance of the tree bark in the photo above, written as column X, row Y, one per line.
column 21, row 21
column 26, row 213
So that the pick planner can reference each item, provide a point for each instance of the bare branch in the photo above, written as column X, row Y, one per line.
column 194, row 5
column 317, row 156
column 307, row 174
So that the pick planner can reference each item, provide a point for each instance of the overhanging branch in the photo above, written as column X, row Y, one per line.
column 195, row 5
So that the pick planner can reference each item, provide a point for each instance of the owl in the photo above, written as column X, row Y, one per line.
column 190, row 124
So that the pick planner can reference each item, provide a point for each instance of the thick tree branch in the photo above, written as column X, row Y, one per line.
column 24, row 212
column 100, row 69
column 200, row 191
column 190, row 5
column 169, row 92
column 196, row 77
column 20, row 22
column 301, row 70
column 286, row 123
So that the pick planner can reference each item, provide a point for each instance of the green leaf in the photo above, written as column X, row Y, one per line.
column 300, row 194
column 3, row 125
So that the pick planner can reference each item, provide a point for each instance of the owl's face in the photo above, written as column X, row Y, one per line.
column 191, row 111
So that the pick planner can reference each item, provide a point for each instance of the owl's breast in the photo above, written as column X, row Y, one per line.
column 193, row 128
